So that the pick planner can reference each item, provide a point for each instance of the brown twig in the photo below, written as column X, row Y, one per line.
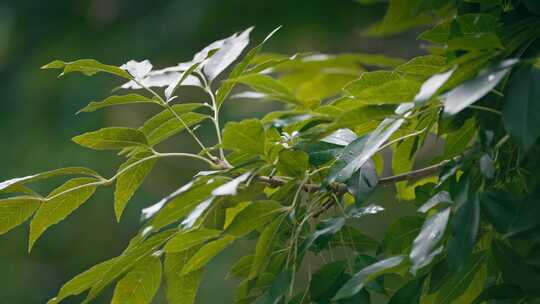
column 341, row 188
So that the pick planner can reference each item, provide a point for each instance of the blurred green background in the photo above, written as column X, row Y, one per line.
column 37, row 110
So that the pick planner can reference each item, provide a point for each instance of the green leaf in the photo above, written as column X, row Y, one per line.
column 242, row 267
column 88, row 67
column 48, row 174
column 408, row 293
column 82, row 281
column 231, row 187
column 254, row 216
column 469, row 92
column 323, row 282
column 245, row 136
column 240, row 69
column 183, row 203
column 479, row 41
column 422, row 67
column 129, row 181
column 60, row 203
column 206, row 253
column 369, row 80
column 166, row 124
column 139, row 285
column 462, row 287
column 400, row 235
column 265, row 245
column 293, row 163
column 464, row 232
column 361, row 115
column 363, row 182
column 458, row 141
column 522, row 105
column 509, row 213
column 268, row 85
column 187, row 240
column 127, row 260
column 16, row 210
column 431, row 86
column 392, row 92
column 277, row 290
column 423, row 249
column 499, row 292
column 116, row 100
column 111, row 138
column 181, row 289
column 361, row 150
column 366, row 275
column 514, row 269
column 324, row 232
column 400, row 16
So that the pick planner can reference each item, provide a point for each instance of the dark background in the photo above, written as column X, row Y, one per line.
column 37, row 110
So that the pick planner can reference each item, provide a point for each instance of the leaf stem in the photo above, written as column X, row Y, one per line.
column 164, row 104
column 107, row 181
column 486, row 109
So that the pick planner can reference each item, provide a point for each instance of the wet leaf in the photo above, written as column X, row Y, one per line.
column 424, row 245
column 472, row 90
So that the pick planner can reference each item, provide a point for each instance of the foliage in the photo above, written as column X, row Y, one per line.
column 298, row 181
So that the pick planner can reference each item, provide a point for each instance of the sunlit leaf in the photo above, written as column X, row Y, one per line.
column 265, row 245
column 469, row 92
column 226, row 54
column 16, row 210
column 240, row 69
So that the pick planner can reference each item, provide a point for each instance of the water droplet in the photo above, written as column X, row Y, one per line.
column 491, row 77
column 146, row 231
